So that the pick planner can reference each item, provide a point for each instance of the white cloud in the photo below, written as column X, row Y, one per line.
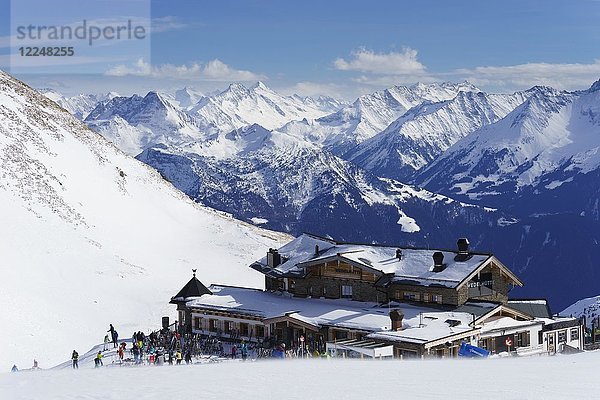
column 165, row 24
column 214, row 70
column 392, row 63
column 315, row 89
column 559, row 76
column 387, row 69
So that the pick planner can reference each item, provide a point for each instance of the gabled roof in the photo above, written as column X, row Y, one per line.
column 415, row 266
column 194, row 288
column 536, row 307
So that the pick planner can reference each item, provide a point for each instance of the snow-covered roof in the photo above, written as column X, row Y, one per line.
column 420, row 323
column 315, row 312
column 427, row 327
column 415, row 266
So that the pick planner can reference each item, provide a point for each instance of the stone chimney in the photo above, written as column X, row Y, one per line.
column 273, row 258
column 463, row 246
column 396, row 316
column 438, row 261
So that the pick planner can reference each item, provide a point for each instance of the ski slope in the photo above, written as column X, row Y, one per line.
column 543, row 377
column 91, row 236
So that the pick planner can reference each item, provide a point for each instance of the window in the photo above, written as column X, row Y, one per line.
column 197, row 323
column 324, row 291
column 436, row 298
column 562, row 336
column 243, row 329
column 574, row 334
column 483, row 343
column 346, row 291
column 228, row 326
column 522, row 339
column 260, row 331
column 212, row 325
column 411, row 296
column 340, row 335
column 292, row 284
column 426, row 297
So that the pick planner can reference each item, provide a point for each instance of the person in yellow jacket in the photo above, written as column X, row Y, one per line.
column 178, row 357
column 98, row 360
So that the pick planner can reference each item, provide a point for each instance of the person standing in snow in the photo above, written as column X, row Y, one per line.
column 234, row 352
column 14, row 368
column 106, row 342
column 112, row 335
column 244, row 349
column 115, row 338
column 98, row 360
column 75, row 359
column 178, row 357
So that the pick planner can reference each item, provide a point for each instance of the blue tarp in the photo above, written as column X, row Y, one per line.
column 467, row 350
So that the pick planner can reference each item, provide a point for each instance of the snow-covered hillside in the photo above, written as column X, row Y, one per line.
column 91, row 236
column 588, row 308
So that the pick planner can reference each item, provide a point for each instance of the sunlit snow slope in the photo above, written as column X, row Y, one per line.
column 90, row 236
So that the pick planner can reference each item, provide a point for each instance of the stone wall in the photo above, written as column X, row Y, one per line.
column 331, row 288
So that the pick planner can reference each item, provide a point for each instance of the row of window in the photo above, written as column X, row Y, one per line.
column 416, row 296
column 562, row 335
column 230, row 327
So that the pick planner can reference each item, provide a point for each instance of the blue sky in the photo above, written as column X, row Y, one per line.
column 350, row 47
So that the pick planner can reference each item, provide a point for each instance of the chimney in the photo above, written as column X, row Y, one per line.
column 463, row 246
column 273, row 258
column 316, row 249
column 396, row 316
column 438, row 261
column 399, row 254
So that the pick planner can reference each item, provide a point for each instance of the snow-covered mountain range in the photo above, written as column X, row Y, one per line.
column 91, row 236
column 329, row 167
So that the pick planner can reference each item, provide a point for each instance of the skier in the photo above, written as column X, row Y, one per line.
column 136, row 353
column 106, row 342
column 115, row 338
column 35, row 364
column 121, row 353
column 112, row 335
column 178, row 357
column 188, row 357
column 75, row 358
column 14, row 369
column 98, row 360
column 233, row 352
column 244, row 350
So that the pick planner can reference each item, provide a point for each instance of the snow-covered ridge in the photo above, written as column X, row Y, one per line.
column 550, row 131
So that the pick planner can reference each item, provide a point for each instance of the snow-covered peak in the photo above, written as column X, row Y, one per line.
column 187, row 97
column 79, row 106
column 551, row 130
column 595, row 86
column 426, row 130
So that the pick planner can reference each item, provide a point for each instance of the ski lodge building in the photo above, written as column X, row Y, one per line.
column 365, row 300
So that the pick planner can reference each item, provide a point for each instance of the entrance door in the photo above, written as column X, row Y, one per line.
column 551, row 343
